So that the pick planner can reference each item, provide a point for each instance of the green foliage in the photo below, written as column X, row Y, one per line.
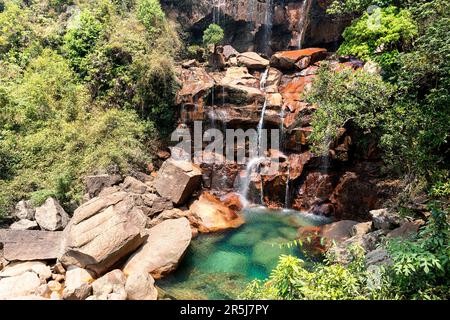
column 213, row 34
column 426, row 260
column 81, row 40
column 292, row 280
column 346, row 96
column 380, row 35
column 150, row 13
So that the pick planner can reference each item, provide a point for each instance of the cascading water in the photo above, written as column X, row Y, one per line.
column 254, row 162
column 267, row 26
column 303, row 21
column 288, row 180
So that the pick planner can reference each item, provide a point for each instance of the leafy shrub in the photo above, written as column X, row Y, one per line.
column 81, row 40
column 150, row 13
column 213, row 34
column 345, row 97
column 380, row 36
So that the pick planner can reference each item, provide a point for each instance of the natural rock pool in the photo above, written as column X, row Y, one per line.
column 218, row 266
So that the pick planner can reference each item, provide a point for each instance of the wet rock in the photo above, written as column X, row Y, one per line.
column 51, row 216
column 252, row 60
column 354, row 196
column 177, row 180
column 273, row 80
column 24, row 224
column 24, row 210
column 27, row 245
column 300, row 59
column 212, row 215
column 103, row 231
column 78, row 285
column 316, row 189
column 22, row 285
column 163, row 249
column 141, row 286
column 95, row 184
column 110, row 287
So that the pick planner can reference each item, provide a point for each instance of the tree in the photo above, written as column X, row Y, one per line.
column 213, row 35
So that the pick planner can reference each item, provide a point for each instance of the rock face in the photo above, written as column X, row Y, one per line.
column 26, row 245
column 212, row 215
column 51, row 216
column 177, row 180
column 163, row 249
column 261, row 25
column 104, row 230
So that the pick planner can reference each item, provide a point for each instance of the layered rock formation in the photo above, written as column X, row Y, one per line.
column 261, row 25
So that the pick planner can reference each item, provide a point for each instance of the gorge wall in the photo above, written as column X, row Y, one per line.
column 261, row 25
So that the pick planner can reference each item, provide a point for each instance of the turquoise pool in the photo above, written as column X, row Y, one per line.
column 218, row 266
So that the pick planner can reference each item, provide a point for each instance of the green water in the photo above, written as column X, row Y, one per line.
column 218, row 266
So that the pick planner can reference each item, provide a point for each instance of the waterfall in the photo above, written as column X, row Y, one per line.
column 255, row 161
column 303, row 21
column 268, row 24
column 288, row 180
column 245, row 182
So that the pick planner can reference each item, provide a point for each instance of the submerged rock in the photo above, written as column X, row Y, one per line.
column 225, row 261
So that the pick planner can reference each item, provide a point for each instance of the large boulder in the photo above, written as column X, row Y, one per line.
column 26, row 245
column 25, row 284
column 110, row 287
column 51, row 216
column 252, row 60
column 177, row 180
column 212, row 215
column 24, row 210
column 103, row 231
column 78, row 285
column 297, row 59
column 163, row 249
